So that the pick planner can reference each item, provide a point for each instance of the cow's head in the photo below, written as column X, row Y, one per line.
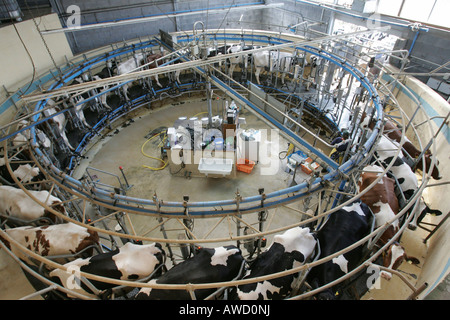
column 394, row 257
column 428, row 159
column 58, row 206
column 366, row 122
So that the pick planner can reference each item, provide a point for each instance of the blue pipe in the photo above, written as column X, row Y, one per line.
column 295, row 189
column 414, row 41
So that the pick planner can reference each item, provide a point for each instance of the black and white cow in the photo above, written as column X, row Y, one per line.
column 15, row 203
column 385, row 151
column 25, row 136
column 343, row 228
column 289, row 250
column 59, row 121
column 207, row 265
column 130, row 262
column 53, row 240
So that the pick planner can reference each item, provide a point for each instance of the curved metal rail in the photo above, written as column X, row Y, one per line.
column 237, row 207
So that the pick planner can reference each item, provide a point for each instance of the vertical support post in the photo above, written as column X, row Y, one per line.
column 124, row 177
column 238, row 224
column 209, row 98
column 162, row 229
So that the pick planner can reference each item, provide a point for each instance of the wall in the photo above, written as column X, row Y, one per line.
column 95, row 12
column 16, row 65
column 437, row 264
column 433, row 45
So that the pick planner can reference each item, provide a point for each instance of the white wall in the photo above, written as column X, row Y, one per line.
column 437, row 262
column 15, row 64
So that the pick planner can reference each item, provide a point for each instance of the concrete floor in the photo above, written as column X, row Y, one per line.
column 122, row 147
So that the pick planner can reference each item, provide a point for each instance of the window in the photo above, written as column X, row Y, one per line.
column 439, row 15
column 389, row 7
column 431, row 11
column 418, row 10
column 345, row 3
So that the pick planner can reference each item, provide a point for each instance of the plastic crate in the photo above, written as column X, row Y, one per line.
column 308, row 166
column 245, row 165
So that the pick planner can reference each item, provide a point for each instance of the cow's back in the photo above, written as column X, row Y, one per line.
column 203, row 267
column 342, row 229
column 60, row 239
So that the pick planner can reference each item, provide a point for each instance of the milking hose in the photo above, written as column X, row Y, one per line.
column 148, row 156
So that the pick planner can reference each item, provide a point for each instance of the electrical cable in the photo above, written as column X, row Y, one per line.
column 165, row 163
column 220, row 26
column 28, row 52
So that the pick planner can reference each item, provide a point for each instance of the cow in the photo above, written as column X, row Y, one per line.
column 59, row 121
column 206, row 266
column 385, row 151
column 15, row 203
column 25, row 173
column 25, row 136
column 52, row 240
column 154, row 61
column 383, row 202
column 343, row 228
column 421, row 211
column 289, row 250
column 235, row 61
column 130, row 262
column 394, row 133
column 381, row 199
column 393, row 258
column 217, row 51
column 278, row 60
column 131, row 65
column 310, row 70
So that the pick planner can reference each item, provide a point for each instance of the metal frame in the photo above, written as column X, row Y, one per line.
column 65, row 184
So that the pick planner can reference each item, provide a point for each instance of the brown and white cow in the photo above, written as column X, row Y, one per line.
column 15, row 203
column 383, row 202
column 53, row 240
column 23, row 172
column 381, row 198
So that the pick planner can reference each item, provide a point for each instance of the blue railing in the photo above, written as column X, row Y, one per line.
column 246, row 204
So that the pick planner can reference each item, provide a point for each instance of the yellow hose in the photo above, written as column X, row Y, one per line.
column 199, row 114
column 148, row 156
